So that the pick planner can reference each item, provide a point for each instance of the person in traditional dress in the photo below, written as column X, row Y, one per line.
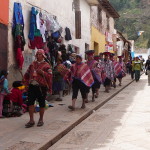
column 113, row 63
column 82, row 79
column 107, row 65
column 59, row 81
column 101, row 56
column 38, row 79
column 120, row 70
column 93, row 64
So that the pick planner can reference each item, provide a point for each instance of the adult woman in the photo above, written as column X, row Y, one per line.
column 120, row 70
column 108, row 71
column 60, row 74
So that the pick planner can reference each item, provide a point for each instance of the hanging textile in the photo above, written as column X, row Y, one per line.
column 35, row 36
column 18, row 34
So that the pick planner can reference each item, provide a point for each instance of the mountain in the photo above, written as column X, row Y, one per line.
column 134, row 17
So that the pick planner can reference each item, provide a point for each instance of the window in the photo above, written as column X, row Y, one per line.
column 78, row 24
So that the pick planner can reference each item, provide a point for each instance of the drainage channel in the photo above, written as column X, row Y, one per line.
column 67, row 130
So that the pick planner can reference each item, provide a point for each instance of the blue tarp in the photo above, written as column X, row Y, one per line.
column 132, row 54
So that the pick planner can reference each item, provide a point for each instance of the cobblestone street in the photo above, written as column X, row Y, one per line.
column 123, row 123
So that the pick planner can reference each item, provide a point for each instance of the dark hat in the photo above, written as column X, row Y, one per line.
column 90, row 52
column 119, row 56
column 100, row 54
column 17, row 84
column 112, row 54
column 96, row 57
column 106, row 53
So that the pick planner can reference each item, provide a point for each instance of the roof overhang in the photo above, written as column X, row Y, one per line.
column 111, row 10
column 93, row 2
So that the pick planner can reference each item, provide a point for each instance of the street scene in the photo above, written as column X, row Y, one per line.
column 121, row 124
column 74, row 74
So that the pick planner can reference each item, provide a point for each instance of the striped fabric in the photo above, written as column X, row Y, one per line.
column 45, row 79
column 83, row 73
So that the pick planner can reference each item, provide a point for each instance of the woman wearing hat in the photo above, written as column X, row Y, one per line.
column 113, row 63
column 38, row 78
column 82, row 80
column 106, row 63
column 120, row 70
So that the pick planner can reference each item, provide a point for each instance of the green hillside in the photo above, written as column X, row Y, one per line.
column 134, row 17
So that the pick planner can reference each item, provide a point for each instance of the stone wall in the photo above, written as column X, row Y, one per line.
column 101, row 26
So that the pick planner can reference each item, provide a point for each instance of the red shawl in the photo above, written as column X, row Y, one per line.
column 83, row 73
column 45, row 79
column 92, row 63
column 96, row 69
column 64, row 71
column 119, row 67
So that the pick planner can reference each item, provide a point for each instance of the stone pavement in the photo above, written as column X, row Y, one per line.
column 123, row 123
column 58, row 121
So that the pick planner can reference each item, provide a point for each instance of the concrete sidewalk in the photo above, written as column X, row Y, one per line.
column 58, row 121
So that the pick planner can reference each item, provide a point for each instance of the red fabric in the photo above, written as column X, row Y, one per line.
column 15, row 96
column 65, row 72
column 119, row 67
column 45, row 79
column 92, row 63
column 36, row 43
column 19, row 58
column 83, row 73
column 96, row 69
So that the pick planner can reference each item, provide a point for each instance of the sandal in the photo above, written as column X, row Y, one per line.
column 58, row 99
column 29, row 124
column 83, row 106
column 71, row 107
column 40, row 123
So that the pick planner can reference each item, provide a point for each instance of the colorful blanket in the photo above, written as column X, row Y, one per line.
column 83, row 73
column 64, row 71
column 119, row 68
column 96, row 69
column 44, row 79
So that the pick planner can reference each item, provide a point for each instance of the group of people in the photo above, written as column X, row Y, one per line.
column 135, row 66
column 97, row 70
column 83, row 76
column 13, row 100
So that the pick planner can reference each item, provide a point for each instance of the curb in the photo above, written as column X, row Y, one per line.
column 68, row 129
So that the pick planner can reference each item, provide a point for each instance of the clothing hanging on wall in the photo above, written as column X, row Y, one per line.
column 18, row 34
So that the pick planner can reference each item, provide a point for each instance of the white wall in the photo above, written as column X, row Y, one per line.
column 120, row 48
column 65, row 16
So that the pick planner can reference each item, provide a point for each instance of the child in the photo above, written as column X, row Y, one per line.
column 3, row 89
